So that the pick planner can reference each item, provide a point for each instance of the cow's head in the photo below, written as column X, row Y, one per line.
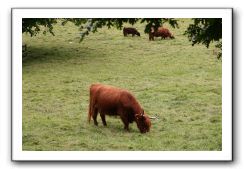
column 138, row 34
column 143, row 122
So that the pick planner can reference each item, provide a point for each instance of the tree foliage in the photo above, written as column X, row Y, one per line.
column 33, row 25
column 205, row 31
column 92, row 25
column 219, row 46
column 118, row 22
column 202, row 30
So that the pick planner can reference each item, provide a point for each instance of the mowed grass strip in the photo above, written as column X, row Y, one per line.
column 172, row 80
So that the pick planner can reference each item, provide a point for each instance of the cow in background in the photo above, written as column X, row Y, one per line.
column 160, row 32
column 132, row 31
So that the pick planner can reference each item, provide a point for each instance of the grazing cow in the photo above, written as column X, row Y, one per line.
column 132, row 31
column 108, row 100
column 160, row 32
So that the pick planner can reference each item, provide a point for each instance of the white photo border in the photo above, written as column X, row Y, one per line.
column 227, row 148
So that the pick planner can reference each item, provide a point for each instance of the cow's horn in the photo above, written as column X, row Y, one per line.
column 153, row 117
column 142, row 113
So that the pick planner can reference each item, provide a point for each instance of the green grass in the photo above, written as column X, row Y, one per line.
column 179, row 83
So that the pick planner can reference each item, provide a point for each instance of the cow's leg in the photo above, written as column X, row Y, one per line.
column 103, row 119
column 94, row 116
column 126, row 123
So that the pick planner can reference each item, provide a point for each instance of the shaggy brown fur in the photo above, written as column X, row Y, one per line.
column 108, row 100
column 161, row 32
column 132, row 31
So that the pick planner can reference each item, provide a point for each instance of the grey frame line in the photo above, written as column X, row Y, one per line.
column 149, row 162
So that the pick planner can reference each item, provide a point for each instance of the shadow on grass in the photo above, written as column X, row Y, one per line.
column 45, row 54
column 114, row 125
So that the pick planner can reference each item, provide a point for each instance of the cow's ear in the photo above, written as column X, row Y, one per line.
column 137, row 116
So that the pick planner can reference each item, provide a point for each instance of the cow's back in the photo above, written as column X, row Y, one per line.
column 110, row 100
column 107, row 100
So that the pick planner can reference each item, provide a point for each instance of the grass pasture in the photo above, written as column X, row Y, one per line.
column 171, row 79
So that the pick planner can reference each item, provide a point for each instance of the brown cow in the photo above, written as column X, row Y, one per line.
column 132, row 31
column 108, row 100
column 160, row 32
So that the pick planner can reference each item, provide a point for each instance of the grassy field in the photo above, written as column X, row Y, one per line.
column 171, row 79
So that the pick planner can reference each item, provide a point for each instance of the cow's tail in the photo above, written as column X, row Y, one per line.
column 90, row 108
